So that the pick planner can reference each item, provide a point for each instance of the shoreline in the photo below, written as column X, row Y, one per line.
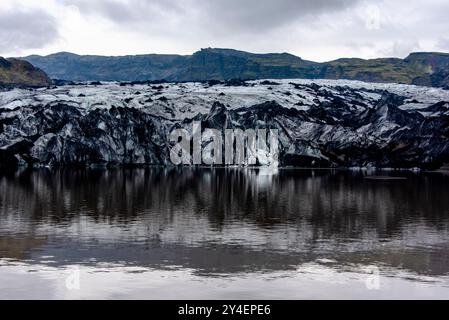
column 203, row 167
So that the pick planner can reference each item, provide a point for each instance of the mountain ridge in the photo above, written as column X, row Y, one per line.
column 420, row 68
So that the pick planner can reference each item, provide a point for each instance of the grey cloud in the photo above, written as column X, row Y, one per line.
column 262, row 15
column 403, row 48
column 243, row 16
column 128, row 12
column 22, row 29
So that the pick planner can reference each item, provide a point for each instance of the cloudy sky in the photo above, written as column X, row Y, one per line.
column 317, row 30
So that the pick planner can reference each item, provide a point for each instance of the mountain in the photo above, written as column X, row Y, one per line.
column 72, row 67
column 19, row 73
column 375, row 70
column 436, row 68
column 222, row 64
column 428, row 69
column 321, row 123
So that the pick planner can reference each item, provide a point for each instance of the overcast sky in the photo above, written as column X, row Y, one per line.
column 317, row 30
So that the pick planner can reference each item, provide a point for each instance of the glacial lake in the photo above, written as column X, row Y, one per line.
column 161, row 233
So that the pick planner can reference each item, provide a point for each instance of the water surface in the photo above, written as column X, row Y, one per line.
column 223, row 234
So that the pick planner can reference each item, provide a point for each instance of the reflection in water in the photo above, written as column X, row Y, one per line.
column 218, row 224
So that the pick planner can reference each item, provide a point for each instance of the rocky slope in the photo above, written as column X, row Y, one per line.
column 18, row 73
column 429, row 69
column 321, row 123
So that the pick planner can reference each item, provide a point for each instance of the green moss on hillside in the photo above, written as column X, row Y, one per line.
column 14, row 72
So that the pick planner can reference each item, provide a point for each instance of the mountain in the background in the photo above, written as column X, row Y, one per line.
column 429, row 69
column 69, row 66
column 19, row 73
column 223, row 64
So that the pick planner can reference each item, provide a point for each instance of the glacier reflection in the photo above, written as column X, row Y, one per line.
column 225, row 222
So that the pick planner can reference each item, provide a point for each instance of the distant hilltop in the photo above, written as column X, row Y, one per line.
column 427, row 69
column 19, row 73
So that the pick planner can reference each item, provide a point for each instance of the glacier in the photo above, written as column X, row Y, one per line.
column 321, row 123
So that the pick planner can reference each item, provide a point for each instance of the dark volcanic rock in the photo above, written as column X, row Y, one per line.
column 235, row 83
